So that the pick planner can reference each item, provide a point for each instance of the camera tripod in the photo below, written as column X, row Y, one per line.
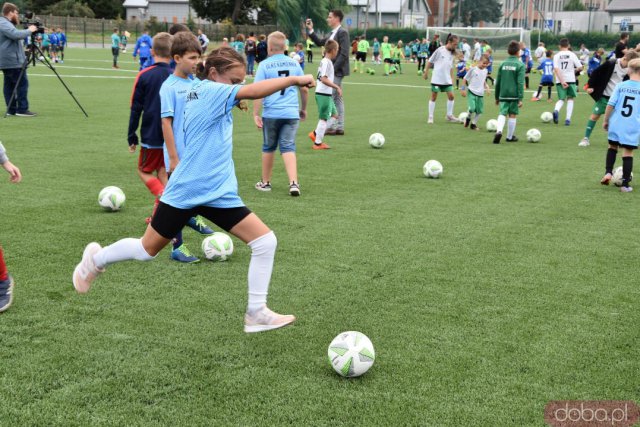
column 34, row 53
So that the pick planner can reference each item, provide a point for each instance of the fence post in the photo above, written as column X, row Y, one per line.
column 102, row 33
column 84, row 31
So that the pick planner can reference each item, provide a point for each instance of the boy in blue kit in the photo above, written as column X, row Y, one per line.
column 53, row 45
column 461, row 69
column 205, row 183
column 622, row 121
column 281, row 114
column 62, row 43
column 185, row 51
column 546, row 67
column 595, row 61
column 143, row 48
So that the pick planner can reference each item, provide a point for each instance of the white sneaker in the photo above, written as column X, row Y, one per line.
column 453, row 119
column 86, row 271
column 430, row 120
column 584, row 142
column 265, row 320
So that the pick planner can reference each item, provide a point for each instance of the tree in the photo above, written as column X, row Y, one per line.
column 236, row 11
column 70, row 8
column 575, row 5
column 292, row 14
column 107, row 9
column 474, row 11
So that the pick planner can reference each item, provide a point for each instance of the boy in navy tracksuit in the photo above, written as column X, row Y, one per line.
column 145, row 102
column 143, row 48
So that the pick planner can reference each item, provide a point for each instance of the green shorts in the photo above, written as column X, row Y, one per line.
column 569, row 92
column 509, row 107
column 475, row 103
column 326, row 106
column 441, row 88
column 600, row 106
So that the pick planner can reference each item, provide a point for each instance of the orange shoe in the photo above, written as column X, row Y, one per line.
column 321, row 146
column 312, row 135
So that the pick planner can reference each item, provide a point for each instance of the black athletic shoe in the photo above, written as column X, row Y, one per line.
column 513, row 139
column 26, row 114
column 6, row 293
column 497, row 138
column 466, row 122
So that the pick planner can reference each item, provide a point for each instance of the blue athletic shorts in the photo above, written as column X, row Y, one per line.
column 279, row 133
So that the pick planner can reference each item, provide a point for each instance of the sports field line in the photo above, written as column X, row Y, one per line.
column 64, row 76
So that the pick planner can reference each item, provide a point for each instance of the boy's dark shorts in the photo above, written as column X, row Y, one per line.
column 629, row 147
column 168, row 221
column 150, row 160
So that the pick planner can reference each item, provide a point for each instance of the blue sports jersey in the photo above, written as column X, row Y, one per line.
column 301, row 60
column 206, row 174
column 53, row 39
column 173, row 95
column 62, row 39
column 461, row 69
column 624, row 124
column 283, row 104
column 594, row 62
column 424, row 50
column 143, row 46
column 547, row 70
column 525, row 56
column 376, row 47
column 490, row 66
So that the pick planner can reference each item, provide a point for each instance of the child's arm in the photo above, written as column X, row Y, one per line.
column 267, row 87
column 607, row 115
column 425, row 75
column 304, row 96
column 134, row 117
column 14, row 173
column 167, row 134
column 465, row 85
column 325, row 80
column 257, row 118
column 521, row 73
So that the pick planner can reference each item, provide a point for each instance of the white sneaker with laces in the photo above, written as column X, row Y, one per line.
column 584, row 143
column 86, row 271
column 453, row 119
column 264, row 319
column 430, row 120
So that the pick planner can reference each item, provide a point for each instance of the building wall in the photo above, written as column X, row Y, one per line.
column 632, row 18
column 579, row 21
column 169, row 12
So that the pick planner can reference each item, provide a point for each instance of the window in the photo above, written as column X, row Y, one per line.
column 535, row 23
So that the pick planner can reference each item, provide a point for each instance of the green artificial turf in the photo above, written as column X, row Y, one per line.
column 509, row 282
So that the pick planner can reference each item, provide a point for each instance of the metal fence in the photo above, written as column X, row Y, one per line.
column 92, row 32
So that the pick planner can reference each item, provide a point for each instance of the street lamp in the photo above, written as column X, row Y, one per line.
column 591, row 8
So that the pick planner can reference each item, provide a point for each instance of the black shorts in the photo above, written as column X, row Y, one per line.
column 115, row 51
column 361, row 56
column 388, row 60
column 547, row 84
column 168, row 221
column 617, row 144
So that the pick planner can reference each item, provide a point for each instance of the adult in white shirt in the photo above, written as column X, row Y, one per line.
column 466, row 50
column 442, row 81
column 477, row 50
column 540, row 52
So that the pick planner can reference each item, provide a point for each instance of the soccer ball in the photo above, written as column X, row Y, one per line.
column 217, row 247
column 463, row 116
column 432, row 169
column 372, row 71
column 546, row 117
column 492, row 125
column 533, row 135
column 376, row 140
column 617, row 177
column 351, row 354
column 419, row 72
column 111, row 198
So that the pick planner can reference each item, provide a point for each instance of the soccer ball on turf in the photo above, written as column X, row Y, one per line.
column 533, row 135
column 376, row 140
column 372, row 72
column 111, row 198
column 351, row 354
column 463, row 116
column 546, row 117
column 492, row 125
column 617, row 177
column 419, row 72
column 432, row 169
column 217, row 247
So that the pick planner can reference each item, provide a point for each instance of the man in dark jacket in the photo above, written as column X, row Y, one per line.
column 340, row 63
column 601, row 84
column 12, row 58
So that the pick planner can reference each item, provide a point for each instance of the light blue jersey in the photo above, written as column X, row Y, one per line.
column 206, row 174
column 283, row 104
column 547, row 70
column 624, row 124
column 173, row 96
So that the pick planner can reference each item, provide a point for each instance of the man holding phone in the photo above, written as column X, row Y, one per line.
column 340, row 63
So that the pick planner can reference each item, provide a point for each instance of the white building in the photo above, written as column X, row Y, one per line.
column 387, row 13
column 625, row 15
column 172, row 11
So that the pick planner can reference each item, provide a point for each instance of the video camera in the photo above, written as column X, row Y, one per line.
column 30, row 20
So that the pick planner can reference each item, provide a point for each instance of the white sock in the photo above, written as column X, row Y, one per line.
column 569, row 108
column 450, row 108
column 432, row 108
column 122, row 250
column 501, row 121
column 476, row 118
column 511, row 128
column 320, row 130
column 559, row 105
column 263, row 251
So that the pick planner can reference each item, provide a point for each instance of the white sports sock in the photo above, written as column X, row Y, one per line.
column 511, row 128
column 476, row 118
column 559, row 105
column 122, row 250
column 569, row 108
column 432, row 108
column 263, row 251
column 320, row 130
column 501, row 121
column 450, row 108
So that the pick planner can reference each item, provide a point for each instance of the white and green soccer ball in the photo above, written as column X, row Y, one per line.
column 533, row 135
column 111, row 198
column 217, row 247
column 376, row 140
column 492, row 125
column 617, row 177
column 432, row 169
column 463, row 116
column 351, row 354
column 420, row 72
column 546, row 117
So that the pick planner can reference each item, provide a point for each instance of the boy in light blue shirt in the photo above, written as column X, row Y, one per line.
column 281, row 114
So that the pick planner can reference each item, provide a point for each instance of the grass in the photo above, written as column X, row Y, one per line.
column 508, row 283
